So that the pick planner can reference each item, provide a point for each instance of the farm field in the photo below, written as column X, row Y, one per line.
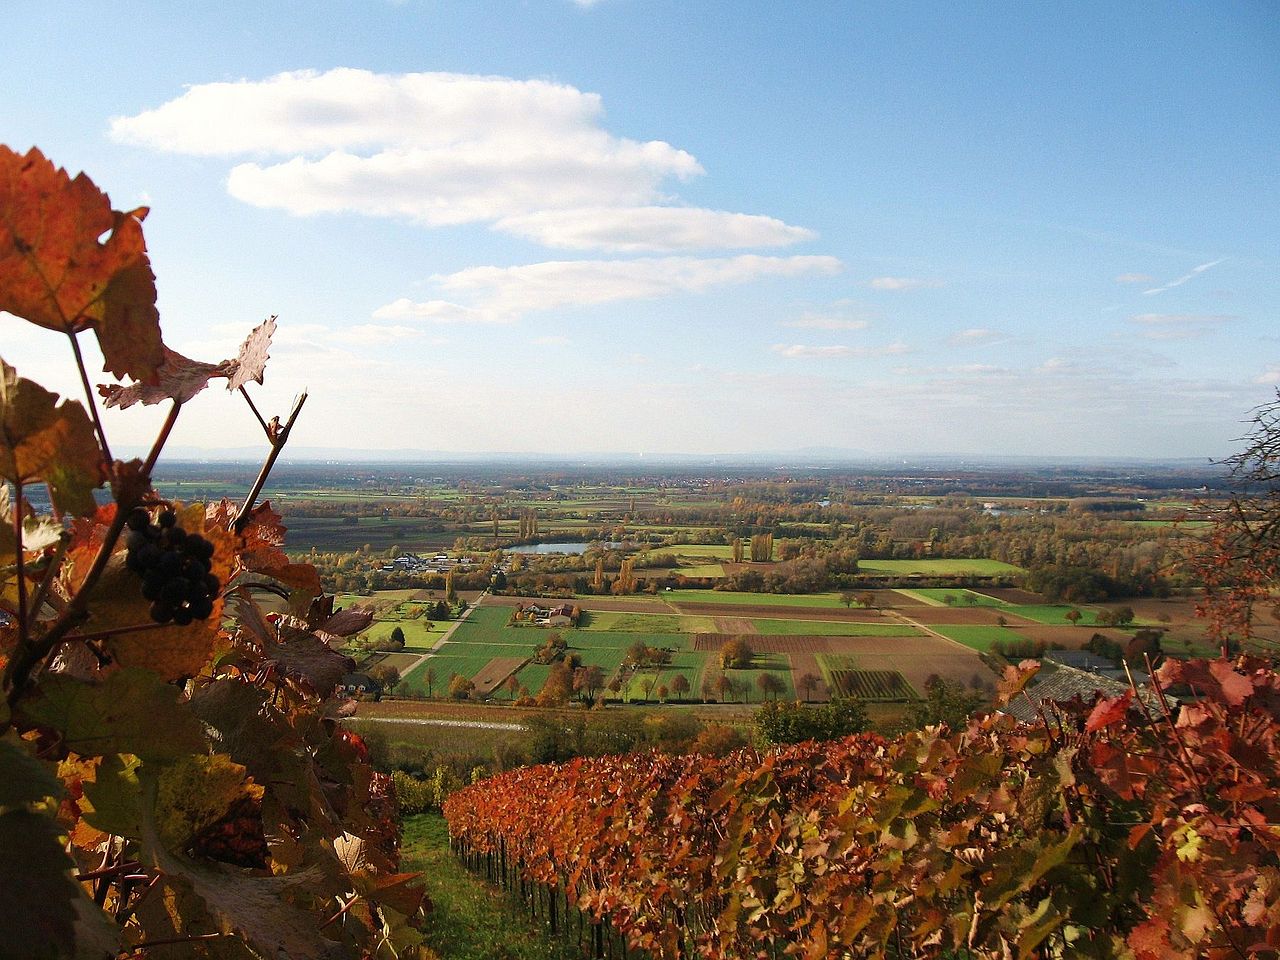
column 729, row 597
column 980, row 638
column 941, row 568
column 642, row 622
column 833, row 628
column 956, row 597
column 845, row 678
column 710, row 570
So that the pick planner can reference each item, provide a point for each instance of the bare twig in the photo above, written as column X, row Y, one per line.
column 279, row 436
column 162, row 438
column 89, row 400
column 249, row 400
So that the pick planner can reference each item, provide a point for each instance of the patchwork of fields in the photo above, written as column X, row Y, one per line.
column 813, row 645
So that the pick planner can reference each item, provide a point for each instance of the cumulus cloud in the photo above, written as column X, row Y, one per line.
column 898, row 284
column 1178, row 326
column 503, row 294
column 1194, row 272
column 442, row 149
column 651, row 229
column 802, row 351
column 1135, row 278
column 1270, row 375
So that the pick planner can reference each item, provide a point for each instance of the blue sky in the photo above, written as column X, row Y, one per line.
column 645, row 226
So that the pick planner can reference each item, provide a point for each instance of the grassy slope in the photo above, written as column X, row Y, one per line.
column 470, row 921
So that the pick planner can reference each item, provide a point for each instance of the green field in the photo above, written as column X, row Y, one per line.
column 980, row 638
column 832, row 628
column 1055, row 614
column 689, row 663
column 829, row 599
column 958, row 597
column 700, row 570
column 779, row 664
column 940, row 568
column 614, row 621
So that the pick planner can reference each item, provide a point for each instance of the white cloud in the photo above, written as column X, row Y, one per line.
column 801, row 351
column 1270, row 375
column 439, row 149
column 1135, row 278
column 503, row 294
column 651, row 229
column 973, row 336
column 819, row 322
column 1195, row 272
column 898, row 284
column 1178, row 326
column 840, row 315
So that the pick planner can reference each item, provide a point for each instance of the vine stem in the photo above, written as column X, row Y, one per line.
column 46, row 582
column 252, row 406
column 278, row 436
column 24, row 633
column 162, row 438
column 88, row 394
column 29, row 654
column 116, row 631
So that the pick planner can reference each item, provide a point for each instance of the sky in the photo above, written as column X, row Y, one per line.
column 663, row 226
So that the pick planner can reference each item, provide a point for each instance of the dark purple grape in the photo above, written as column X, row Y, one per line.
column 170, row 563
column 175, row 591
column 212, row 584
column 182, row 616
column 167, row 519
column 161, row 612
column 152, row 585
column 138, row 520
column 200, row 609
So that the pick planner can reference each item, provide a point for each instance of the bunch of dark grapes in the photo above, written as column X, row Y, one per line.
column 174, row 566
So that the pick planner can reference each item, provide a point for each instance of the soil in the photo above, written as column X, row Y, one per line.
column 491, row 676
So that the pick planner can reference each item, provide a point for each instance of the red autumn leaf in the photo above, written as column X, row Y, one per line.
column 56, row 273
column 1235, row 688
column 252, row 359
column 1107, row 713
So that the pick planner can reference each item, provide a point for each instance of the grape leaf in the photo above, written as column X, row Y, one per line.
column 23, row 778
column 179, row 378
column 197, row 791
column 346, row 622
column 41, row 439
column 39, row 917
column 55, row 273
column 306, row 658
column 116, row 796
column 1107, row 713
column 133, row 711
column 252, row 359
column 254, row 908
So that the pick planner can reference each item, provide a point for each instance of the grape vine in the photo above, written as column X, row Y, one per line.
column 1108, row 831
column 174, row 776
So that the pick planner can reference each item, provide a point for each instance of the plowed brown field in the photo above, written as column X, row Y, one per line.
column 494, row 672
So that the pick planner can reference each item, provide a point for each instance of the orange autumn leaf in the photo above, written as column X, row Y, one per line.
column 58, row 274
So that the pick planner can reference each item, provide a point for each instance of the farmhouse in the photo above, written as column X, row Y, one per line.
column 1063, row 685
column 560, row 615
